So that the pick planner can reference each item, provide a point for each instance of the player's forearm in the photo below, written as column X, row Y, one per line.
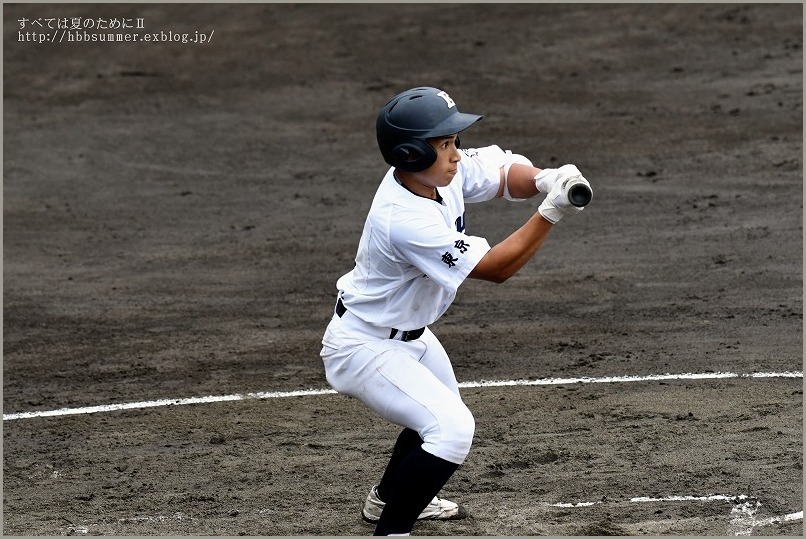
column 521, row 181
column 506, row 258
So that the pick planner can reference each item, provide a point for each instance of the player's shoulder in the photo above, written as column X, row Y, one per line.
column 485, row 154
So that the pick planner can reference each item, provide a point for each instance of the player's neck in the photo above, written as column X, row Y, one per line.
column 416, row 187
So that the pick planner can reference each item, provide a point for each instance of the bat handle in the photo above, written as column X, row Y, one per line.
column 579, row 194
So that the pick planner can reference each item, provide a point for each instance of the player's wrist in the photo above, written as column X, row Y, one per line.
column 550, row 212
column 565, row 199
column 547, row 178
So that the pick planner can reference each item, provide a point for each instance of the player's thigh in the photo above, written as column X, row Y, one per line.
column 396, row 380
column 350, row 362
column 388, row 376
column 408, row 394
column 436, row 360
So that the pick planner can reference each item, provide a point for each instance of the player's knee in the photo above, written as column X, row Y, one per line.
column 462, row 433
column 452, row 440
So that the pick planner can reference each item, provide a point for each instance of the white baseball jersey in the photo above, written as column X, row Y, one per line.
column 414, row 252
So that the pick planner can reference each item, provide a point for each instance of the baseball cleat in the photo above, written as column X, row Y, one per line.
column 438, row 509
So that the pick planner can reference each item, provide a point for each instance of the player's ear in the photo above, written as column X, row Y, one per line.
column 456, row 142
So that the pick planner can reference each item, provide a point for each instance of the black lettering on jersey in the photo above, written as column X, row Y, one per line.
column 460, row 223
column 461, row 245
column 449, row 260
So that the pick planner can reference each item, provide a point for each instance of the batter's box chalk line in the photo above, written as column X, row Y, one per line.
column 74, row 529
column 743, row 513
column 318, row 392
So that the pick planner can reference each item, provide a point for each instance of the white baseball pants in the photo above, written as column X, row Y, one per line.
column 411, row 384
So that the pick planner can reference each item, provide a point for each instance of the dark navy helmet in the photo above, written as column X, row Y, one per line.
column 409, row 119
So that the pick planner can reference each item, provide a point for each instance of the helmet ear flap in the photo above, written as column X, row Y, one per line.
column 406, row 152
column 415, row 155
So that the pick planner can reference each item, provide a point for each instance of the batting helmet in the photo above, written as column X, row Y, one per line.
column 412, row 117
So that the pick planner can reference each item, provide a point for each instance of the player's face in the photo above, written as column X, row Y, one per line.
column 447, row 163
column 439, row 174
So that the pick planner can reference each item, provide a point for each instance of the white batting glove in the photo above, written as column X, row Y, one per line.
column 556, row 204
column 547, row 177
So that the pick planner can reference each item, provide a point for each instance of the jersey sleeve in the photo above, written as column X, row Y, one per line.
column 441, row 253
column 481, row 170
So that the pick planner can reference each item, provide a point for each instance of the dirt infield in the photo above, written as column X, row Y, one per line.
column 176, row 216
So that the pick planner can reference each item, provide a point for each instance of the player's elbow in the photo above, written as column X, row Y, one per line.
column 498, row 265
column 496, row 276
column 499, row 278
column 503, row 278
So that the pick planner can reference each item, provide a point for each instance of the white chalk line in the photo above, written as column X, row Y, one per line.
column 74, row 529
column 744, row 519
column 743, row 512
column 744, row 507
column 315, row 392
column 742, row 523
column 176, row 517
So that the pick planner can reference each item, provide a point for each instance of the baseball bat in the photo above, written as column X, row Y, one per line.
column 578, row 193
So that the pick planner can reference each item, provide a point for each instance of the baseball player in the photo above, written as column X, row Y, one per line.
column 413, row 254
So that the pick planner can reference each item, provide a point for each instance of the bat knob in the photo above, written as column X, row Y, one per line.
column 579, row 195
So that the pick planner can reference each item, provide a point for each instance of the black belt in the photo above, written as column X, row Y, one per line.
column 406, row 336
